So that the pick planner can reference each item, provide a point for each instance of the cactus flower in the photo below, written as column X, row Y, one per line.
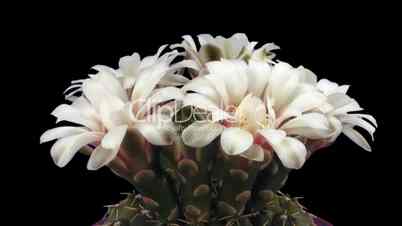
column 206, row 136
column 112, row 102
column 255, row 107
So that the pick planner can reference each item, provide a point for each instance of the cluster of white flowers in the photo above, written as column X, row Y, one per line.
column 254, row 103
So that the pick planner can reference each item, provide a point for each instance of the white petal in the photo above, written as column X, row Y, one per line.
column 173, row 80
column 353, row 120
column 64, row 149
column 190, row 41
column 160, row 95
column 148, row 79
column 102, row 68
column 251, row 113
column 255, row 153
column 310, row 125
column 111, row 112
column 108, row 149
column 290, row 151
column 164, row 94
column 95, row 92
column 199, row 101
column 220, row 88
column 264, row 53
column 154, row 133
column 368, row 117
column 233, row 72
column 129, row 64
column 302, row 103
column 61, row 132
column 202, row 102
column 114, row 137
column 356, row 137
column 237, row 43
column 283, row 82
column 111, row 84
column 185, row 64
column 281, row 72
column 199, row 134
column 82, row 104
column 204, row 39
column 342, row 103
column 327, row 87
column 68, row 113
column 203, row 86
column 259, row 73
column 235, row 141
column 336, row 127
column 307, row 76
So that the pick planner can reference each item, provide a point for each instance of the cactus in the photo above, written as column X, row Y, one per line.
column 138, row 164
column 251, row 121
column 180, row 185
column 278, row 210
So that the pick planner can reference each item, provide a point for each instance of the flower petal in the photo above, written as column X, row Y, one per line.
column 95, row 92
column 68, row 113
column 235, row 141
column 108, row 149
column 307, row 76
column 368, row 117
column 328, row 87
column 130, row 64
column 310, row 125
column 84, row 106
column 199, row 101
column 290, row 151
column 233, row 72
column 173, row 80
column 148, row 79
column 61, row 132
column 356, row 137
column 302, row 103
column 252, row 112
column 354, row 120
column 342, row 104
column 336, row 127
column 203, row 86
column 220, row 88
column 111, row 84
column 64, row 149
column 259, row 73
column 255, row 153
column 154, row 133
column 199, row 134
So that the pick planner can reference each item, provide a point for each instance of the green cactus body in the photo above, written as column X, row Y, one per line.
column 235, row 177
column 189, row 170
column 138, row 167
column 270, row 179
column 180, row 185
column 278, row 210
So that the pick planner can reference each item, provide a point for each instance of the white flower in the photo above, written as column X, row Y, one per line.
column 341, row 111
column 216, row 48
column 256, row 106
column 131, row 67
column 95, row 130
column 106, row 110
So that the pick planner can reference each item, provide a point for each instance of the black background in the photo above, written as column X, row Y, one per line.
column 342, row 183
